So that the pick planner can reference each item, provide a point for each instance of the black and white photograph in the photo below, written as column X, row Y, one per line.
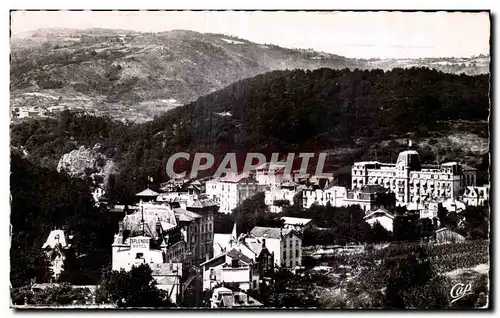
column 250, row 160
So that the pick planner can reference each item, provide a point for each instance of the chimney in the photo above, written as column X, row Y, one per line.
column 120, row 227
column 263, row 242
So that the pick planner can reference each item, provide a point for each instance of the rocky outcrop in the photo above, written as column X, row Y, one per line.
column 84, row 161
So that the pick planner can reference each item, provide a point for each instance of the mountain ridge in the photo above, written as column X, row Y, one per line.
column 137, row 75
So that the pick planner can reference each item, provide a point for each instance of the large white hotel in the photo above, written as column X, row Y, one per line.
column 412, row 181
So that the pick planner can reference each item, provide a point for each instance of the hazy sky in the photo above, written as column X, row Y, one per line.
column 351, row 34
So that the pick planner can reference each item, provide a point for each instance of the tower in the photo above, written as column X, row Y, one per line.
column 407, row 161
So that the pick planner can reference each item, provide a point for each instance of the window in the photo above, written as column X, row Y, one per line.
column 284, row 255
column 296, row 253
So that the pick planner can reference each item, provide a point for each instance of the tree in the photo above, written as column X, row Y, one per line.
column 425, row 228
column 135, row 288
column 380, row 234
column 253, row 212
column 476, row 223
column 64, row 294
column 405, row 272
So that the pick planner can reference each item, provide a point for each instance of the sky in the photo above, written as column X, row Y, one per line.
column 351, row 34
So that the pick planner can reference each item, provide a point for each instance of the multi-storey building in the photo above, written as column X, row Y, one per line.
column 476, row 196
column 370, row 198
column 285, row 244
column 155, row 234
column 278, row 197
column 151, row 234
column 230, row 191
column 333, row 195
column 272, row 174
column 55, row 247
column 412, row 181
column 203, row 230
column 231, row 267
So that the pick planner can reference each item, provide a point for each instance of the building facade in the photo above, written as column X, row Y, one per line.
column 411, row 181
column 280, row 196
column 230, row 191
column 285, row 244
column 55, row 247
column 476, row 196
column 201, row 232
column 231, row 267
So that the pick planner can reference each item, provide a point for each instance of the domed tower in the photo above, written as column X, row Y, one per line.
column 408, row 160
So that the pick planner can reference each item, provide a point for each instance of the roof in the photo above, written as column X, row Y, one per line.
column 244, row 300
column 153, row 213
column 196, row 182
column 269, row 232
column 453, row 233
column 238, row 255
column 234, row 178
column 255, row 246
column 185, row 215
column 295, row 221
column 200, row 202
column 56, row 237
column 378, row 213
column 333, row 187
column 234, row 254
column 147, row 193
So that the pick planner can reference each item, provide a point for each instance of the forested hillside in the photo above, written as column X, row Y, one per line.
column 350, row 114
column 44, row 200
column 133, row 75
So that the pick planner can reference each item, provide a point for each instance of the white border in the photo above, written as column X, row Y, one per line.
column 187, row 4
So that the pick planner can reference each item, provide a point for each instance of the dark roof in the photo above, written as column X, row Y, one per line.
column 217, row 257
column 237, row 255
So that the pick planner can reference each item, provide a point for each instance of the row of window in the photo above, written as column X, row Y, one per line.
column 297, row 254
column 204, row 227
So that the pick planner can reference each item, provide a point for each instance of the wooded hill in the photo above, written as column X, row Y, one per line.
column 345, row 112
